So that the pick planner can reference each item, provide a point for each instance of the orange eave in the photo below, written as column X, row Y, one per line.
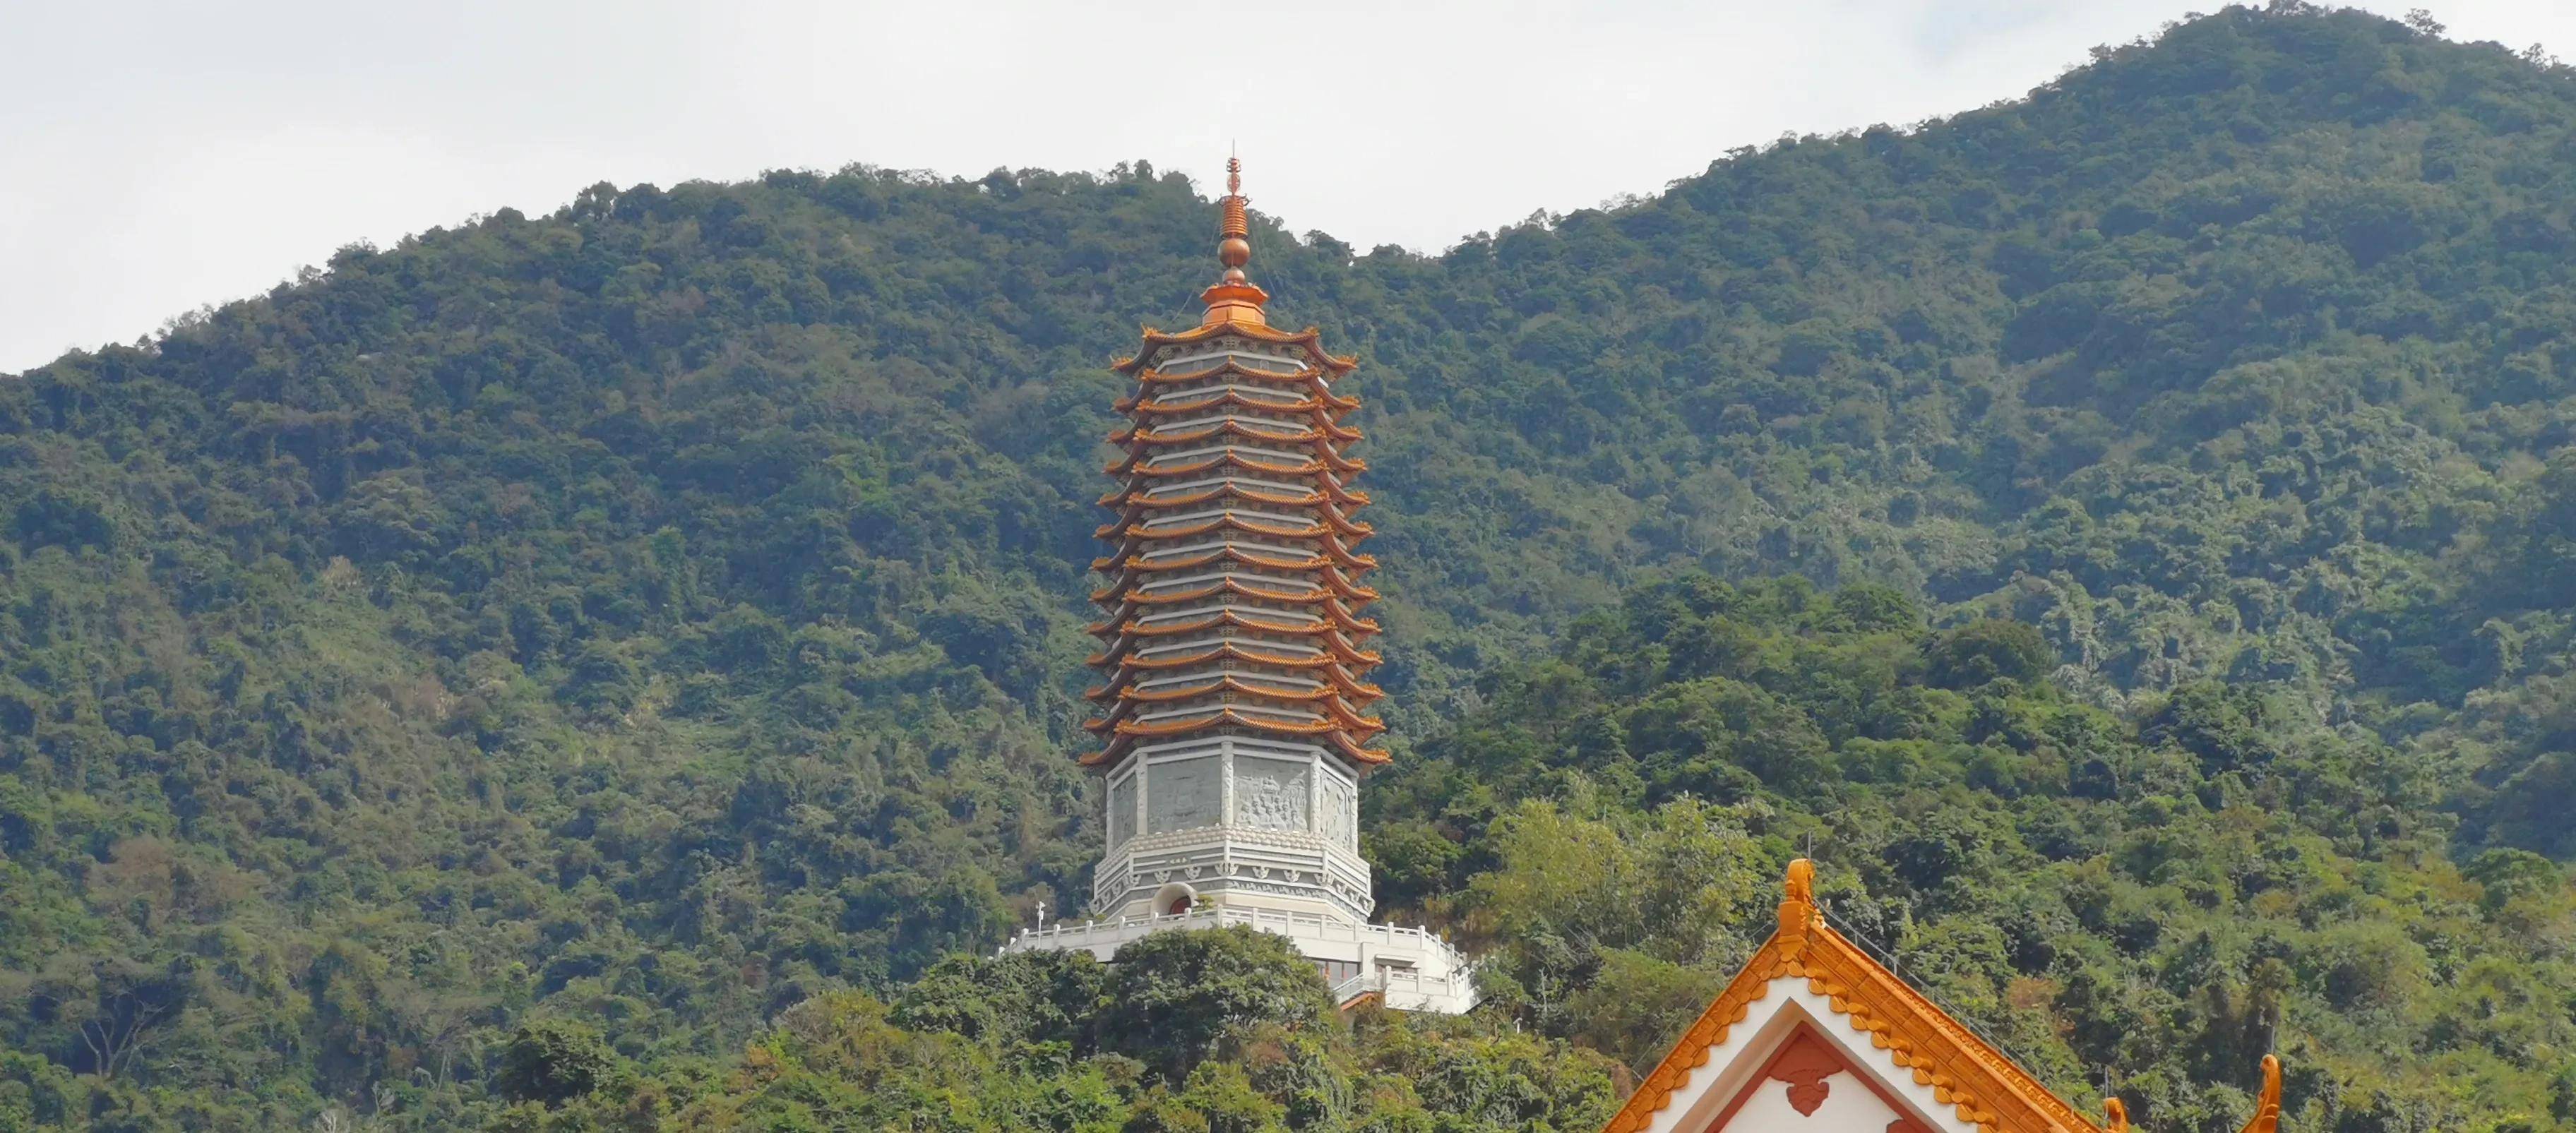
column 1315, row 397
column 1330, row 641
column 1229, row 586
column 1326, row 625
column 1326, row 606
column 1331, row 525
column 1323, row 428
column 1333, row 516
column 1329, row 669
column 1311, row 339
column 1342, row 685
column 1127, row 496
column 1348, row 748
column 1291, row 433
column 1227, row 682
column 1329, row 615
column 1329, row 701
column 1329, row 542
column 1351, row 594
column 1331, row 555
column 1130, row 509
column 1244, row 651
column 1230, row 715
column 1324, row 599
column 1310, row 377
column 1313, row 380
column 1324, row 457
column 1130, row 466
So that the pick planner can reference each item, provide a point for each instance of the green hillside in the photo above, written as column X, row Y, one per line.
column 2147, row 514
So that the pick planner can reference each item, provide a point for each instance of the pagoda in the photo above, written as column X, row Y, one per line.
column 1232, row 710
column 1815, row 1036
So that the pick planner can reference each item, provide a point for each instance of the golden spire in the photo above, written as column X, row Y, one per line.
column 1233, row 299
column 1234, row 246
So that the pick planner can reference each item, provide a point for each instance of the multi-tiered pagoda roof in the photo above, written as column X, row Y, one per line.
column 1232, row 597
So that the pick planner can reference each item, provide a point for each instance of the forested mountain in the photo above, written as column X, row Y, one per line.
column 2130, row 533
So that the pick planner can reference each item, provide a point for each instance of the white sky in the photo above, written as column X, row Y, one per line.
column 155, row 157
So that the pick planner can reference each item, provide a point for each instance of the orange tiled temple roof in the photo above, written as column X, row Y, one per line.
column 1984, row 1087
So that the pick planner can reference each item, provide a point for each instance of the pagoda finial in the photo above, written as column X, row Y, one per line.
column 1233, row 299
column 1234, row 243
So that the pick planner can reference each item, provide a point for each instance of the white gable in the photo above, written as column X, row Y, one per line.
column 1849, row 1105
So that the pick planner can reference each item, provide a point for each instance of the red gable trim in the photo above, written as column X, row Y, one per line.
column 1803, row 1061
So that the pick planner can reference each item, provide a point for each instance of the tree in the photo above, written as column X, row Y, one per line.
column 552, row 1061
column 1987, row 650
column 1177, row 998
column 114, row 1006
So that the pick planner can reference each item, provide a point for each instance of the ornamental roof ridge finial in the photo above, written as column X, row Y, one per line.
column 1797, row 905
column 1234, row 299
column 2267, row 1105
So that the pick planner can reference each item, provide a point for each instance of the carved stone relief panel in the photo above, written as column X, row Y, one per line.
column 1182, row 795
column 1122, row 811
column 1269, row 794
column 1337, row 824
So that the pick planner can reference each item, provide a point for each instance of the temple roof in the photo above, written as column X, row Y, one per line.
column 1982, row 1088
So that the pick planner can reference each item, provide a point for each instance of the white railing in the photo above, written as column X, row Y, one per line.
column 1268, row 921
column 1459, row 982
column 1445, row 981
column 1312, row 926
column 1405, row 987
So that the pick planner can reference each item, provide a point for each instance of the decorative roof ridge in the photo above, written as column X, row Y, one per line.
column 2267, row 1105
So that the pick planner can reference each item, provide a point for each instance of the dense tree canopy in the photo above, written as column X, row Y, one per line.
column 2129, row 530
column 2150, row 897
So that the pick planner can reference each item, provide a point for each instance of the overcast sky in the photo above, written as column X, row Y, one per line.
column 156, row 157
